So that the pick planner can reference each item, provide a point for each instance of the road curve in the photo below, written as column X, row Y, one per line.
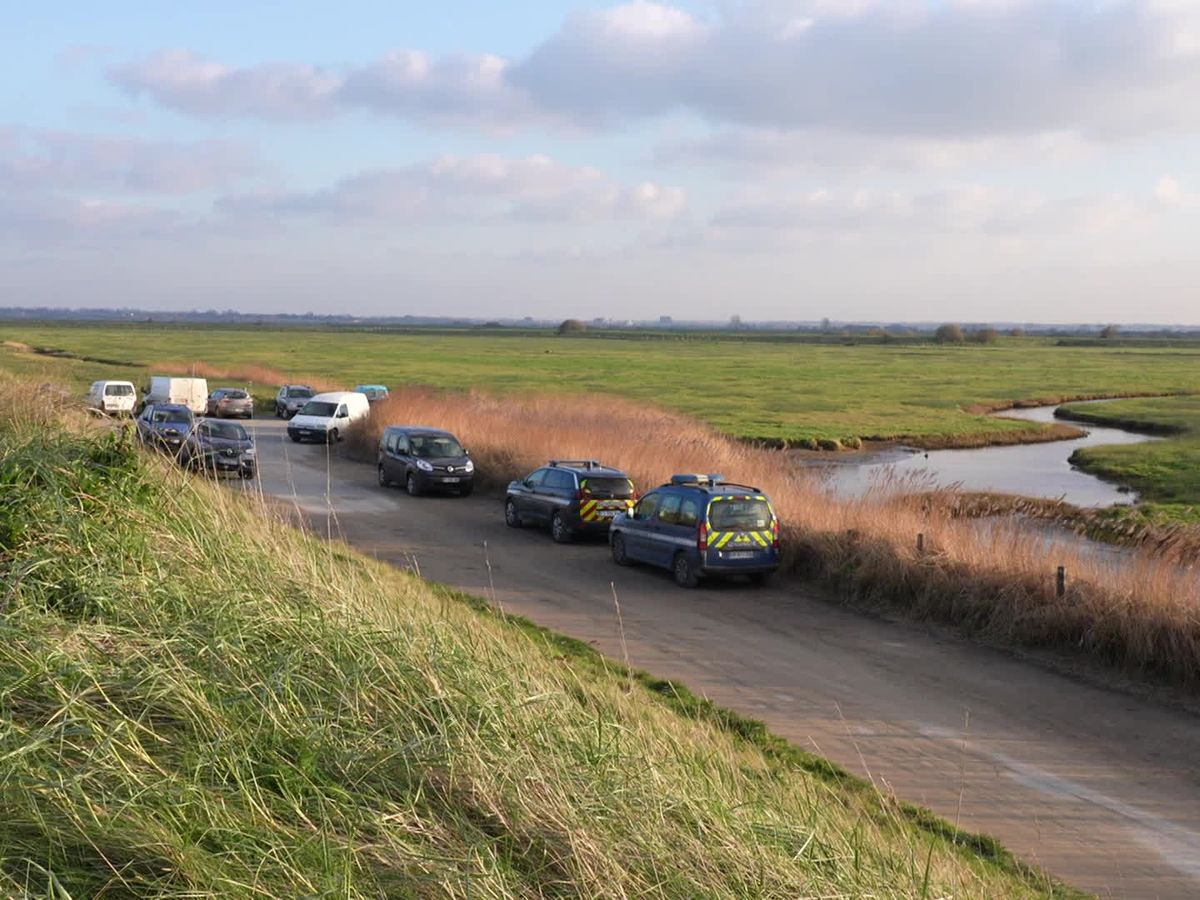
column 1099, row 788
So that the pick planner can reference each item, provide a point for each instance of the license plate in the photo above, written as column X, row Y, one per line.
column 453, row 479
column 740, row 554
column 606, row 513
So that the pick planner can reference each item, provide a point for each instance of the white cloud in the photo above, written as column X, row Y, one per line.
column 42, row 159
column 478, row 189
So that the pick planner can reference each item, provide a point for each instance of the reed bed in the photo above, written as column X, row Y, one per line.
column 198, row 700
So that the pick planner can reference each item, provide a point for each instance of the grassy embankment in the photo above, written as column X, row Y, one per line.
column 793, row 392
column 197, row 700
column 1166, row 473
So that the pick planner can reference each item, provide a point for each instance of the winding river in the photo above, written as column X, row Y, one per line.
column 1033, row 470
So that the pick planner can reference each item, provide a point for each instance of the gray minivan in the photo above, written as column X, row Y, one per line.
column 424, row 459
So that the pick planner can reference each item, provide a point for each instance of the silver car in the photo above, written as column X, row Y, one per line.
column 290, row 398
column 229, row 403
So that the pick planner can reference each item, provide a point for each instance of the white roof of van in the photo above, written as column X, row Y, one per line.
column 336, row 396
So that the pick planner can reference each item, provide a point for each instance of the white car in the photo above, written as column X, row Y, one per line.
column 326, row 417
column 113, row 398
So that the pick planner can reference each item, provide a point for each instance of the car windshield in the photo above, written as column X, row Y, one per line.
column 228, row 430
column 739, row 513
column 171, row 416
column 118, row 390
column 608, row 487
column 299, row 393
column 319, row 408
column 434, row 446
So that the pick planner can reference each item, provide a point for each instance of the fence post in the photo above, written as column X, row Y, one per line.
column 920, row 542
column 1060, row 581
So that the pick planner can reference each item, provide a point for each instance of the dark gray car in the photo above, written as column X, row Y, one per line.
column 219, row 448
column 424, row 459
column 572, row 496
column 165, row 426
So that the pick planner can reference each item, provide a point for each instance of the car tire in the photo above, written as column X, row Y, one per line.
column 684, row 571
column 295, row 438
column 512, row 518
column 384, row 481
column 620, row 557
column 559, row 530
column 278, row 412
column 410, row 485
column 466, row 491
column 332, row 438
column 760, row 578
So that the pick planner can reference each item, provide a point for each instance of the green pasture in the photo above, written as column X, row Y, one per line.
column 1165, row 473
column 746, row 387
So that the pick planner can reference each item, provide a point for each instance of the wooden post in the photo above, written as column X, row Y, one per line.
column 1060, row 582
column 920, row 542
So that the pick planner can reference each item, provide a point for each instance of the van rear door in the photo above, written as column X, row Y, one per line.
column 740, row 530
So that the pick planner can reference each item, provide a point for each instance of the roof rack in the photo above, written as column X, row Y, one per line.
column 578, row 463
column 710, row 480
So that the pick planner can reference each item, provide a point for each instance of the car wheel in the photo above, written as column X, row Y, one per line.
column 760, row 578
column 559, row 530
column 295, row 438
column 333, row 436
column 383, row 479
column 465, row 491
column 620, row 557
column 410, row 485
column 278, row 412
column 511, row 517
column 685, row 572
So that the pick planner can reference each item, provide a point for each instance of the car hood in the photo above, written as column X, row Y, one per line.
column 457, row 461
column 321, row 422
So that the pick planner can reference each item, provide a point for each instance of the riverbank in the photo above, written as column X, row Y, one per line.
column 1167, row 473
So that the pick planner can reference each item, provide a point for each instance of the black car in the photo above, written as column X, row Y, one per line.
column 165, row 426
column 571, row 496
column 219, row 448
column 424, row 459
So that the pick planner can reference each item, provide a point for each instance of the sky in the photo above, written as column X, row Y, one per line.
column 858, row 160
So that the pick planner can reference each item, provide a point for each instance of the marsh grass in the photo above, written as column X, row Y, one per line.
column 198, row 700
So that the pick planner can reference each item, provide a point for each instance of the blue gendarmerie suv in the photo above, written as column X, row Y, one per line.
column 697, row 526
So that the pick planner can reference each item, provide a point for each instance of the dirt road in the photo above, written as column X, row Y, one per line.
column 1101, row 789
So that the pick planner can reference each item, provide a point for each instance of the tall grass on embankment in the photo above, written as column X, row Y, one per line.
column 197, row 700
column 997, row 583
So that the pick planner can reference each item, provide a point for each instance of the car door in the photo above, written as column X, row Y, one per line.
column 143, row 422
column 524, row 495
column 661, row 534
column 402, row 456
column 556, row 492
column 637, row 527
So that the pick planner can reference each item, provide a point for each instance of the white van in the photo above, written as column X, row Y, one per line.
column 114, row 398
column 189, row 392
column 327, row 416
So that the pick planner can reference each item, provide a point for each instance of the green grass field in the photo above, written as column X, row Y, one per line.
column 319, row 724
column 747, row 388
column 1166, row 473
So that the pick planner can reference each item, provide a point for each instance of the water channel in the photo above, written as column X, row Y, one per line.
column 1032, row 470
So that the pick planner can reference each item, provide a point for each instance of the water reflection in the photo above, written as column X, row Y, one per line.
column 1033, row 470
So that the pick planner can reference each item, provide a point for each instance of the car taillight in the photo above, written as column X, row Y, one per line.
column 775, row 533
column 702, row 537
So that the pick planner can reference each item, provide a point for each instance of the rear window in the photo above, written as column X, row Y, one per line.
column 601, row 486
column 235, row 395
column 318, row 408
column 118, row 390
column 299, row 393
column 739, row 514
